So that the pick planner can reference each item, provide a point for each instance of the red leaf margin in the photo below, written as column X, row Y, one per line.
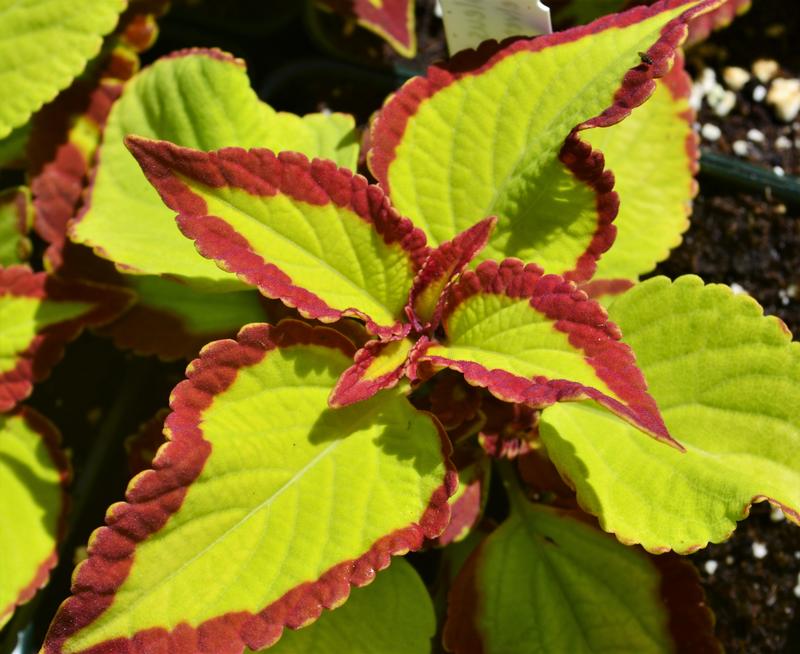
column 352, row 387
column 467, row 511
column 386, row 131
column 586, row 324
column 51, row 437
column 704, row 25
column 394, row 20
column 47, row 347
column 153, row 496
column 260, row 172
column 58, row 166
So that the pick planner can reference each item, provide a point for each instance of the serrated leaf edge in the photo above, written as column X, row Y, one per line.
column 154, row 495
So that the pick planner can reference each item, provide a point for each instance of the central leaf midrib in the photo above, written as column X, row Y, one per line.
column 547, row 129
column 229, row 531
column 361, row 290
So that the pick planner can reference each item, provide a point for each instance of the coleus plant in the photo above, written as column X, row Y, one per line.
column 301, row 456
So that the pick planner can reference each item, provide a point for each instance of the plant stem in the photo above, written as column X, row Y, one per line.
column 514, row 492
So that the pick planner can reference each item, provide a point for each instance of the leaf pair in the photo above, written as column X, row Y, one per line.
column 322, row 240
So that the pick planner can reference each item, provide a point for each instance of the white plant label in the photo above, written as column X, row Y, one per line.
column 469, row 22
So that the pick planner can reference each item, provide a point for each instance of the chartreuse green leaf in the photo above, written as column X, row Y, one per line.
column 44, row 45
column 38, row 316
column 174, row 321
column 534, row 339
column 393, row 615
column 312, row 235
column 493, row 132
column 16, row 220
column 33, row 474
column 211, row 105
column 566, row 587
column 264, row 507
column 727, row 381
column 653, row 155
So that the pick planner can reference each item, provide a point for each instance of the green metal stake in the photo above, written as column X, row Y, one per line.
column 746, row 176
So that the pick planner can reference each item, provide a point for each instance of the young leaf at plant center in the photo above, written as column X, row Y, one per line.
column 44, row 45
column 535, row 339
column 494, row 132
column 392, row 615
column 727, row 381
column 567, row 587
column 453, row 401
column 264, row 507
column 16, row 220
column 654, row 156
column 377, row 366
column 510, row 429
column 392, row 20
column 211, row 106
column 34, row 473
column 39, row 314
column 312, row 235
column 440, row 268
column 173, row 321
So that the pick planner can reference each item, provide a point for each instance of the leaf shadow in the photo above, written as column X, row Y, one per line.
column 402, row 428
column 37, row 487
column 578, row 471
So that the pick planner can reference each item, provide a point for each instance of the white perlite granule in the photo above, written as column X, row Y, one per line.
column 740, row 148
column 735, row 77
column 711, row 132
column 784, row 98
column 765, row 69
column 776, row 515
column 759, row 550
